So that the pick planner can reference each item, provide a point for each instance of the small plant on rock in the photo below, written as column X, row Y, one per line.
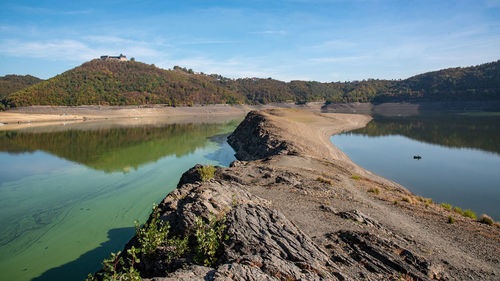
column 323, row 180
column 154, row 235
column 209, row 237
column 354, row 177
column 115, row 269
column 486, row 219
column 469, row 214
column 451, row 220
column 374, row 190
column 407, row 200
column 458, row 210
column 206, row 172
column 446, row 206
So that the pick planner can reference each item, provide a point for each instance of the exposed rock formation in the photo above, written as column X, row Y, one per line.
column 295, row 213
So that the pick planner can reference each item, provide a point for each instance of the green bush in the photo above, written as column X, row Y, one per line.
column 469, row 214
column 374, row 190
column 115, row 269
column 451, row 220
column 486, row 219
column 458, row 210
column 154, row 234
column 206, row 172
column 446, row 206
column 407, row 199
column 354, row 177
column 209, row 237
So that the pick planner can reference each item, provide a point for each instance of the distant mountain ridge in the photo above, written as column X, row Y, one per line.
column 107, row 82
column 12, row 83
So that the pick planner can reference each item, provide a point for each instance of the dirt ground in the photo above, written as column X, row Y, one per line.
column 326, row 195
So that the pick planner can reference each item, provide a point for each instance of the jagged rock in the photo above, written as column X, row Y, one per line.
column 181, row 207
column 190, row 176
column 252, row 139
column 329, row 209
column 283, row 250
column 191, row 273
column 358, row 216
column 381, row 257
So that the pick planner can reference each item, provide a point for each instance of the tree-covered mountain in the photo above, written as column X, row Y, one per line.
column 108, row 82
column 13, row 83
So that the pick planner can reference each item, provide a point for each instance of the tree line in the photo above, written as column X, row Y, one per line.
column 134, row 83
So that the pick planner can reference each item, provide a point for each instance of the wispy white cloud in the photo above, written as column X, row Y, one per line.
column 73, row 50
column 339, row 59
column 51, row 11
column 269, row 32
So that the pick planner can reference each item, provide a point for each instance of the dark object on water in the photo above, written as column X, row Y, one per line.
column 418, row 157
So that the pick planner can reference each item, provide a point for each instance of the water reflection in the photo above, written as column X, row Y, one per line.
column 62, row 191
column 467, row 130
column 114, row 149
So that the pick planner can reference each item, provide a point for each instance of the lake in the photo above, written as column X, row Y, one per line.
column 460, row 152
column 69, row 195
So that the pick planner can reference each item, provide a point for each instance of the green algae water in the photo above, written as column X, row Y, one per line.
column 69, row 197
column 460, row 152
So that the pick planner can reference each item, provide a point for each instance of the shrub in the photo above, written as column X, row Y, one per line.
column 486, row 219
column 469, row 214
column 209, row 237
column 155, row 234
column 458, row 210
column 396, row 202
column 374, row 190
column 354, row 177
column 451, row 220
column 206, row 172
column 115, row 269
column 406, row 199
column 446, row 206
column 323, row 180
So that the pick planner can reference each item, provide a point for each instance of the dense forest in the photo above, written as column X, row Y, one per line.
column 131, row 83
column 13, row 83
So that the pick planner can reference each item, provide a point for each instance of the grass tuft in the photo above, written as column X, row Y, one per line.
column 446, row 206
column 486, row 219
column 374, row 190
column 407, row 199
column 323, row 180
column 354, row 177
column 469, row 214
column 206, row 172
column 451, row 220
column 458, row 210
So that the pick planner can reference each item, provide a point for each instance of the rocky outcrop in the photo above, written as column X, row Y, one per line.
column 256, row 138
column 290, row 216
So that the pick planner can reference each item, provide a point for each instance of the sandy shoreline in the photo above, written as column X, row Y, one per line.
column 35, row 116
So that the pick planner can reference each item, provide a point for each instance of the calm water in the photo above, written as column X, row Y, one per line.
column 69, row 197
column 460, row 153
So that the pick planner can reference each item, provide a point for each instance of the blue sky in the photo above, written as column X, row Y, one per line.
column 324, row 40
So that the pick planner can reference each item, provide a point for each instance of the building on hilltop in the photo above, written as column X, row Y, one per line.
column 121, row 57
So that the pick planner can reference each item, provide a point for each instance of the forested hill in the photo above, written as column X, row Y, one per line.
column 13, row 83
column 126, row 83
